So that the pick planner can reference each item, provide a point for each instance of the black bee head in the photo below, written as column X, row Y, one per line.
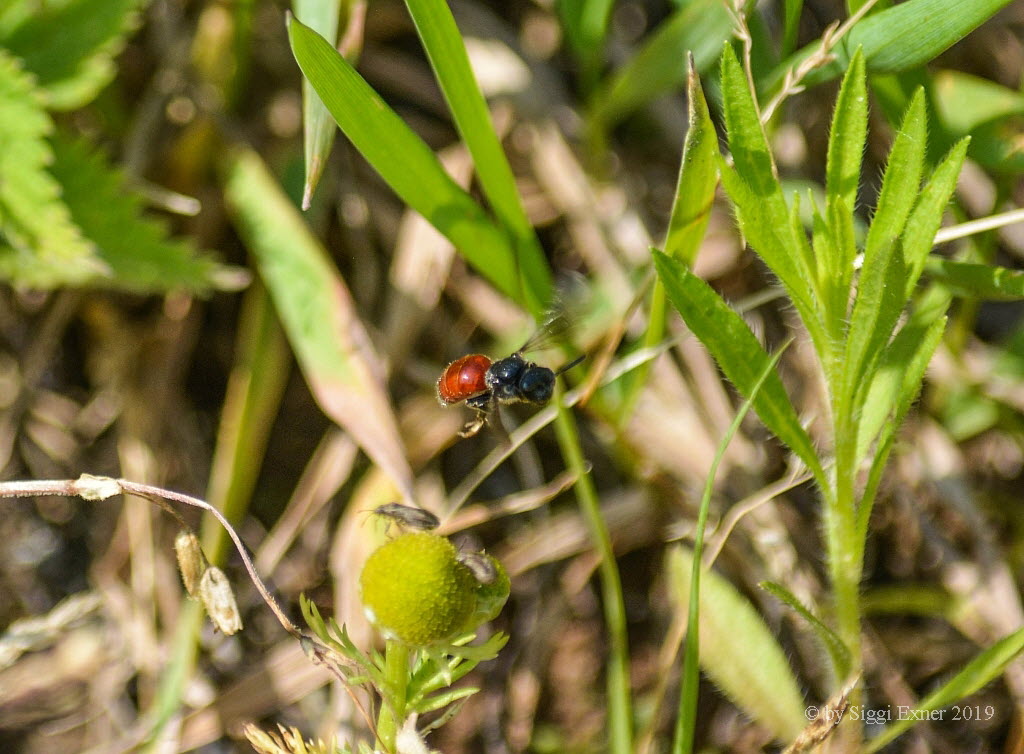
column 536, row 384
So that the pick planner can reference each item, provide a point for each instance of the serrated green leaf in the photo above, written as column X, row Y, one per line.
column 70, row 45
column 40, row 245
column 698, row 176
column 318, row 127
column 976, row 281
column 659, row 66
column 738, row 353
column 137, row 250
column 738, row 652
column 450, row 61
column 847, row 136
column 984, row 668
column 837, row 650
column 407, row 164
column 318, row 315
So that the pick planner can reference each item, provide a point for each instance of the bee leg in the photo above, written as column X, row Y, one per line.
column 474, row 426
column 484, row 406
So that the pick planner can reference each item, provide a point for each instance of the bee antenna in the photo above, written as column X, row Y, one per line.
column 571, row 364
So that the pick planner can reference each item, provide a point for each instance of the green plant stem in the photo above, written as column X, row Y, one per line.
column 396, row 676
column 845, row 552
column 620, row 734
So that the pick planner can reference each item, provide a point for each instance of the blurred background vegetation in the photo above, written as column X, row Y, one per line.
column 147, row 154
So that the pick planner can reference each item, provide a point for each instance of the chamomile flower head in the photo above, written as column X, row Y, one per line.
column 416, row 590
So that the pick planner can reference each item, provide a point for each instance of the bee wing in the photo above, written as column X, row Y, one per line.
column 570, row 301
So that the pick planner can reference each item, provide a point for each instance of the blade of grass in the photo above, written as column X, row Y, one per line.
column 406, row 163
column 689, row 682
column 620, row 708
column 318, row 127
column 699, row 28
column 691, row 212
column 316, row 309
column 447, row 54
column 977, row 673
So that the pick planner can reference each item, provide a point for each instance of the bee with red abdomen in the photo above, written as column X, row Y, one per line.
column 483, row 384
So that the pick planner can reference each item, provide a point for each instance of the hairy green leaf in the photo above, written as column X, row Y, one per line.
column 880, row 286
column 919, row 234
column 698, row 176
column 837, row 650
column 738, row 651
column 737, row 352
column 847, row 137
column 761, row 209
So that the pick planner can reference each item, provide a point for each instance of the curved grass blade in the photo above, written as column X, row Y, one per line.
column 406, row 163
column 447, row 53
column 316, row 310
column 686, row 723
column 978, row 672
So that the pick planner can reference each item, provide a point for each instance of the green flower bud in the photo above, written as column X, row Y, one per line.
column 416, row 590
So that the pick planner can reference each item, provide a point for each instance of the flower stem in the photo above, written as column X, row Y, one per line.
column 396, row 676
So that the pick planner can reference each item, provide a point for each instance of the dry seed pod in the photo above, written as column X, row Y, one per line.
column 191, row 561
column 215, row 592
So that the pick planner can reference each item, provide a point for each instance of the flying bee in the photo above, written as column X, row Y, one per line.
column 407, row 516
column 482, row 566
column 485, row 384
